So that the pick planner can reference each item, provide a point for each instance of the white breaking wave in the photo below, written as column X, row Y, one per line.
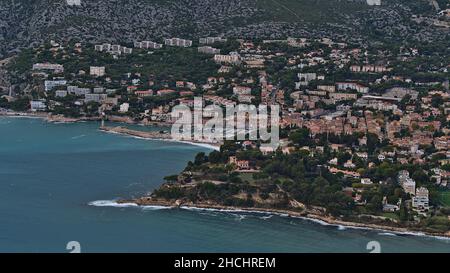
column 113, row 203
column 229, row 210
column 239, row 217
column 387, row 234
column 155, row 207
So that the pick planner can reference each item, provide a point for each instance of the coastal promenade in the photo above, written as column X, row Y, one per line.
column 164, row 135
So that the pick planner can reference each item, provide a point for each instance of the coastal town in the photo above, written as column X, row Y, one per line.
column 364, row 129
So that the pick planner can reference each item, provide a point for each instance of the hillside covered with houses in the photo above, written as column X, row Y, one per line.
column 364, row 128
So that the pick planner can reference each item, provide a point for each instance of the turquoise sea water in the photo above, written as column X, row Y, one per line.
column 50, row 173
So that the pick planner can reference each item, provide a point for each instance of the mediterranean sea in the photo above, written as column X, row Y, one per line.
column 53, row 178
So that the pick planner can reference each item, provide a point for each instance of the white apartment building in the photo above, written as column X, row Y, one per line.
column 353, row 86
column 409, row 186
column 78, row 91
column 49, row 85
column 98, row 48
column 116, row 49
column 38, row 105
column 232, row 58
column 103, row 47
column 57, row 68
column 60, row 93
column 421, row 200
column 328, row 88
column 98, row 90
column 407, row 183
column 178, row 42
column 208, row 50
column 211, row 40
column 95, row 98
column 147, row 45
column 126, row 50
column 305, row 78
column 402, row 176
column 124, row 107
column 97, row 71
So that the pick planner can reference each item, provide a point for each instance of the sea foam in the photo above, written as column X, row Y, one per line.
column 113, row 203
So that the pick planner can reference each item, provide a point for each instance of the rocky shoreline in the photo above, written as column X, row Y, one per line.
column 307, row 215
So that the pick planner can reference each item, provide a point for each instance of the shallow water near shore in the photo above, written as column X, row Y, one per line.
column 50, row 173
